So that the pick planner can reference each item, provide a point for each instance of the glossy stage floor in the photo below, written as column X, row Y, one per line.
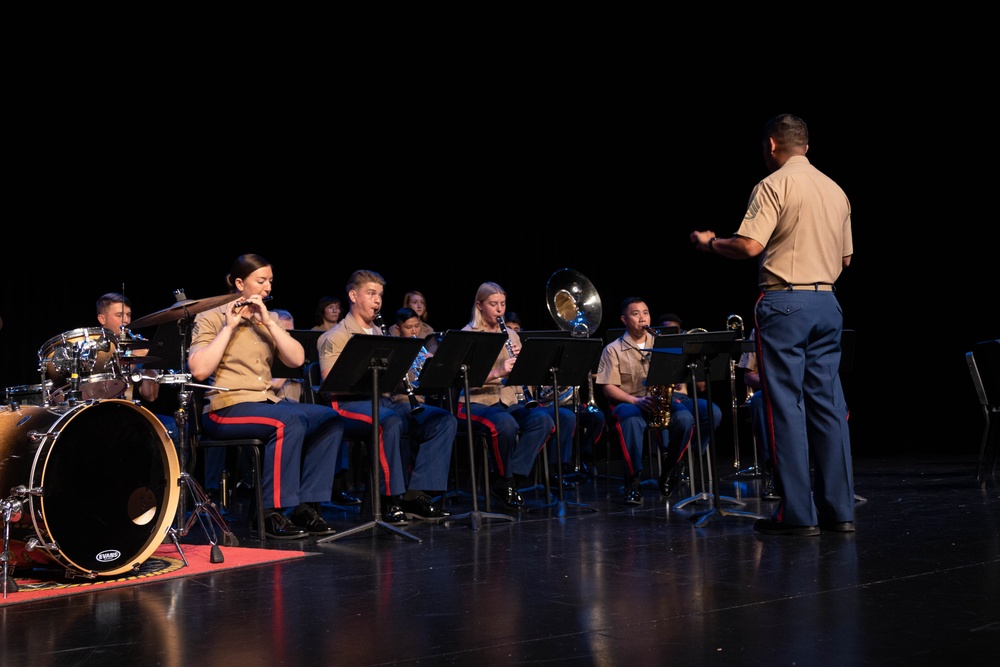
column 598, row 583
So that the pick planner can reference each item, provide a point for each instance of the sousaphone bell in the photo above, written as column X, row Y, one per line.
column 575, row 306
column 573, row 302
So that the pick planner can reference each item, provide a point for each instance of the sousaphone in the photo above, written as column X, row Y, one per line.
column 573, row 302
column 575, row 305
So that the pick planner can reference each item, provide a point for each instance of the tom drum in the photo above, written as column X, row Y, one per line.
column 92, row 354
column 28, row 394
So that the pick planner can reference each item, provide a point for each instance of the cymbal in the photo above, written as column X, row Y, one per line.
column 182, row 309
column 128, row 344
column 146, row 360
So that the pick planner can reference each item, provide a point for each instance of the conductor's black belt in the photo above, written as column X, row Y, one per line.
column 810, row 287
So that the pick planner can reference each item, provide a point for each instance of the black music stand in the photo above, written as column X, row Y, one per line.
column 548, row 361
column 371, row 365
column 464, row 359
column 697, row 352
column 308, row 339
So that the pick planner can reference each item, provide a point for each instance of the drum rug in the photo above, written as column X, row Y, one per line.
column 165, row 563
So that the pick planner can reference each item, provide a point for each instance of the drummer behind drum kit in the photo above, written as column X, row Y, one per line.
column 57, row 439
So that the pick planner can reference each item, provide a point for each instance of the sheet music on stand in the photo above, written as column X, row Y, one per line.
column 463, row 359
column 555, row 361
column 371, row 365
column 705, row 355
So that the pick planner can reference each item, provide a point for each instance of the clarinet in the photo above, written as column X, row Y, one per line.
column 524, row 397
column 416, row 407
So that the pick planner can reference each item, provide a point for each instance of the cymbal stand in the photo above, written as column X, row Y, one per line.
column 202, row 503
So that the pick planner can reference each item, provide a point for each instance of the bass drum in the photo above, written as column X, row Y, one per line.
column 98, row 483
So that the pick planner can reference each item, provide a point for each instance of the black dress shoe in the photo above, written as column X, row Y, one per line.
column 668, row 483
column 587, row 471
column 307, row 518
column 423, row 508
column 280, row 527
column 632, row 494
column 392, row 512
column 836, row 526
column 344, row 498
column 507, row 492
column 772, row 527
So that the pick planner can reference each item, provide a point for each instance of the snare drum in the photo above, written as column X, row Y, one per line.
column 90, row 353
column 98, row 484
column 29, row 394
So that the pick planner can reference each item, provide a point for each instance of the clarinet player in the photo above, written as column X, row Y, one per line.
column 516, row 431
column 411, row 474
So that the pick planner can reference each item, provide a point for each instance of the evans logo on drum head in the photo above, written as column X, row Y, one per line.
column 108, row 556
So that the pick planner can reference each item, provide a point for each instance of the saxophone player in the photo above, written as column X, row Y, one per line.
column 621, row 373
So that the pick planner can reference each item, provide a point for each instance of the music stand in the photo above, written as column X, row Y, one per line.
column 309, row 340
column 547, row 361
column 464, row 359
column 698, row 351
column 371, row 365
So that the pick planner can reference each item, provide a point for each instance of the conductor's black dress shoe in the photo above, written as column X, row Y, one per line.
column 836, row 526
column 772, row 527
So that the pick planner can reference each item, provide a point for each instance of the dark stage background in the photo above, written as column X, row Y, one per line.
column 442, row 199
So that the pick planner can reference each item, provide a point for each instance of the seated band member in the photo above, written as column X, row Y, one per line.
column 622, row 373
column 496, row 408
column 430, row 432
column 114, row 312
column 232, row 347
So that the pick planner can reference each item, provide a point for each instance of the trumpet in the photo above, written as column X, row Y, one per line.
column 524, row 396
column 416, row 407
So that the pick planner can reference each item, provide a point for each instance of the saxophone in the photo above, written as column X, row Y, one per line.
column 663, row 398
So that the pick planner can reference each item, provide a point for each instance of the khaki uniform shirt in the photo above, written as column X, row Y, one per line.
column 494, row 390
column 625, row 365
column 245, row 368
column 803, row 220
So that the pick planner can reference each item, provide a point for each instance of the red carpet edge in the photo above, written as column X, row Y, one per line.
column 165, row 563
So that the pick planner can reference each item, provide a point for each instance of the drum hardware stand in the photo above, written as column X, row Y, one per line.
column 11, row 508
column 202, row 503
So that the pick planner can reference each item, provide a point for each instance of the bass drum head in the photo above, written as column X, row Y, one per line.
column 109, row 478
